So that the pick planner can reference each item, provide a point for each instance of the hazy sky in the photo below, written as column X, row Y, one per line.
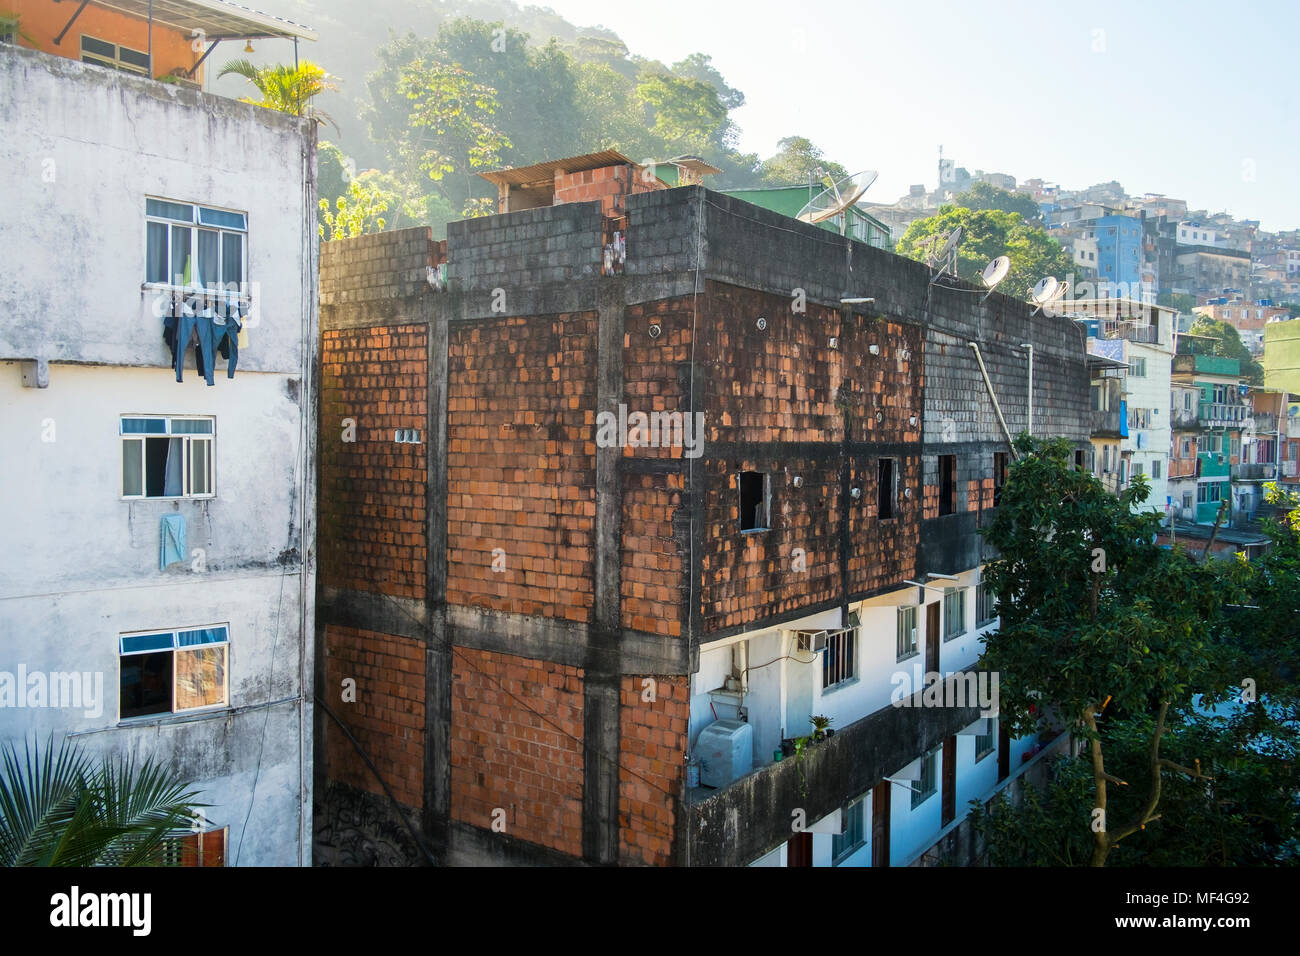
column 1196, row 100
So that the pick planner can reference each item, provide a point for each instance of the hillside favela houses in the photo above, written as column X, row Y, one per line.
column 644, row 511
column 157, row 587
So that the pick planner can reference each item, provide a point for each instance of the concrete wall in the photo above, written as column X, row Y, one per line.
column 84, row 147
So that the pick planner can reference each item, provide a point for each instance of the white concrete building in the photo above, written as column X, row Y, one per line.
column 159, row 533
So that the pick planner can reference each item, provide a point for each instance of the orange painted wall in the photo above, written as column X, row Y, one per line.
column 43, row 19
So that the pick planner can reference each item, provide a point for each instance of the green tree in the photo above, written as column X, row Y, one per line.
column 1177, row 300
column 986, row 234
column 796, row 161
column 1227, row 343
column 688, row 116
column 356, row 213
column 983, row 195
column 284, row 88
column 1095, row 619
column 60, row 809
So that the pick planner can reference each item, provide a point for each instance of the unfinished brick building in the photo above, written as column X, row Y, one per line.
column 525, row 626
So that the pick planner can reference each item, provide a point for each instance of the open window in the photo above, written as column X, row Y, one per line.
column 947, row 484
column 165, row 457
column 167, row 672
column 1000, row 475
column 886, row 487
column 755, row 506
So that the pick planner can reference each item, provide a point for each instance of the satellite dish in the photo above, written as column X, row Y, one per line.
column 1046, row 291
column 836, row 198
column 994, row 273
column 946, row 257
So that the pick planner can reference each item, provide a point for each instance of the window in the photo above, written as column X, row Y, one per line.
column 854, row 831
column 906, row 632
column 1138, row 468
column 1187, row 448
column 103, row 53
column 924, row 788
column 188, row 245
column 1155, row 468
column 838, row 658
column 886, row 487
column 985, row 743
column 753, row 501
column 1187, row 499
column 1139, row 368
column 947, row 484
column 1000, row 475
column 954, row 612
column 1236, row 447
column 167, row 457
column 168, row 672
column 182, row 848
column 986, row 601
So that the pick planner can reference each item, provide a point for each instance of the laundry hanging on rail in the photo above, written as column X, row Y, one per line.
column 212, row 324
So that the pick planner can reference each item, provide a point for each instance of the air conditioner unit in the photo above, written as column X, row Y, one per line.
column 814, row 641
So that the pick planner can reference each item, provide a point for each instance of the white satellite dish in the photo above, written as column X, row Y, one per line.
column 994, row 273
column 1046, row 291
column 946, row 257
column 836, row 198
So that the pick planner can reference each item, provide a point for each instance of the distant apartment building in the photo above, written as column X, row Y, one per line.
column 1248, row 317
column 600, row 530
column 1184, row 461
column 159, row 500
column 1140, row 336
column 1223, row 416
column 1119, row 255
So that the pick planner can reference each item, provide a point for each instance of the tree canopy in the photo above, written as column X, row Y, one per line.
column 1227, row 343
column 987, row 234
column 982, row 195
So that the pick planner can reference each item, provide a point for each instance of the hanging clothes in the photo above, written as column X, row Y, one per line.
column 172, row 547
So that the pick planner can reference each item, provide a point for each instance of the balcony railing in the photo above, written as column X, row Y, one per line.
column 1255, row 471
column 1182, row 467
column 1184, row 418
column 1219, row 412
column 1265, row 422
column 1289, row 468
column 1293, row 428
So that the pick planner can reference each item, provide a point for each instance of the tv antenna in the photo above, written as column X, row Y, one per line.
column 834, row 201
column 946, row 257
column 994, row 273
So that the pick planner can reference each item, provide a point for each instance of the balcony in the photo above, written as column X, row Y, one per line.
column 1289, row 468
column 1292, row 428
column 1265, row 422
column 1219, row 414
column 1255, row 471
column 1184, row 418
column 1183, row 468
column 1107, row 424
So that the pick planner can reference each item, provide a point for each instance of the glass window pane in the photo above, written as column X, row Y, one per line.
column 219, row 217
column 132, row 467
column 232, row 258
column 180, row 259
column 200, row 466
column 144, row 426
column 139, row 643
column 156, row 252
column 191, row 426
column 91, row 45
column 181, row 212
column 203, row 635
column 201, row 677
column 209, row 243
column 133, row 57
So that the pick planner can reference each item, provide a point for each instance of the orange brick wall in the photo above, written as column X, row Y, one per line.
column 654, row 580
column 608, row 184
column 521, row 467
column 372, row 534
column 387, row 717
column 652, row 753
column 516, row 744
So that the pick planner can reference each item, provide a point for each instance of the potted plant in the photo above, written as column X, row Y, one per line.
column 820, row 724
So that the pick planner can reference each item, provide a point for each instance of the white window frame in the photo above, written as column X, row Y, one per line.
column 906, row 621
column 986, row 601
column 956, row 596
column 991, row 737
column 195, row 226
column 187, row 480
column 856, row 811
column 929, row 761
column 224, row 704
column 838, row 640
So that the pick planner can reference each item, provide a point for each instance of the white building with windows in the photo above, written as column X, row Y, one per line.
column 158, row 516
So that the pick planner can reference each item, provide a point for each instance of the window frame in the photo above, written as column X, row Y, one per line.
column 913, row 646
column 887, row 496
column 116, row 62
column 855, row 811
column 991, row 737
column 845, row 637
column 187, row 456
column 928, row 762
column 173, row 633
column 956, row 594
column 947, row 475
column 985, row 603
column 196, row 226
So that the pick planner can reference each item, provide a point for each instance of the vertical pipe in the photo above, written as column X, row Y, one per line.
column 149, row 49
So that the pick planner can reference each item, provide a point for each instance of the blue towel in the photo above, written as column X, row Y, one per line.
column 172, row 548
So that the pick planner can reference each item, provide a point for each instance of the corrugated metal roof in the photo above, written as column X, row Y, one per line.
column 218, row 19
column 544, row 173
